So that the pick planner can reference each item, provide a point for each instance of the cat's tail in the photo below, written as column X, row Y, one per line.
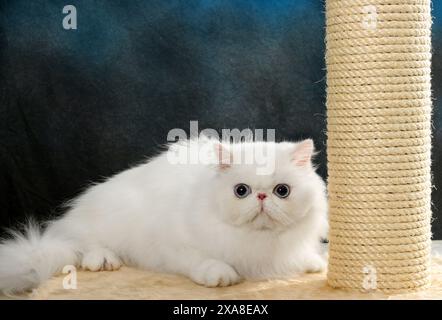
column 31, row 257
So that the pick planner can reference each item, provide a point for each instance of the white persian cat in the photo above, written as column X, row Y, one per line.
column 216, row 223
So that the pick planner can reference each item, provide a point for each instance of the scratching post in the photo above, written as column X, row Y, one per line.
column 379, row 139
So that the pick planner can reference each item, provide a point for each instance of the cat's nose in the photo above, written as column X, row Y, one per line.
column 262, row 196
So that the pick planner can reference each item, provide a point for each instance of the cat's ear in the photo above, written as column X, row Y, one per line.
column 303, row 153
column 224, row 157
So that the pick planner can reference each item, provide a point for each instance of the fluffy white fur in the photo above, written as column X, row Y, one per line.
column 185, row 219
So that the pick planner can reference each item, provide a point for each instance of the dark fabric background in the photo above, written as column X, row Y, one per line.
column 80, row 105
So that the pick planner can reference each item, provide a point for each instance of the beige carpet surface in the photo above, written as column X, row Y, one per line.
column 129, row 283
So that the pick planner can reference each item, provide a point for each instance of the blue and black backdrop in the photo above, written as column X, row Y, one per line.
column 81, row 104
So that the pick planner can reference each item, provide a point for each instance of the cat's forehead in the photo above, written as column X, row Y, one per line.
column 261, row 163
column 251, row 178
column 249, row 146
column 265, row 170
column 253, row 171
column 258, row 153
column 261, row 151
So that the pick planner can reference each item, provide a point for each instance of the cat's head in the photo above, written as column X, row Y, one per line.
column 275, row 200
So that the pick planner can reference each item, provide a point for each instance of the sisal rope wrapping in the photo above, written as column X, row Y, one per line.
column 379, row 140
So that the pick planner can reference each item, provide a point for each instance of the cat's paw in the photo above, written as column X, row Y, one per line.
column 214, row 273
column 100, row 259
column 315, row 263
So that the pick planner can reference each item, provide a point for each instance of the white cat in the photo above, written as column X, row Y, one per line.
column 216, row 224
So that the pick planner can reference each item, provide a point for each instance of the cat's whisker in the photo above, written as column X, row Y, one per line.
column 284, row 217
column 256, row 215
column 246, row 214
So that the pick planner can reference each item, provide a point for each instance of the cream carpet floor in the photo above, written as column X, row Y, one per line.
column 129, row 283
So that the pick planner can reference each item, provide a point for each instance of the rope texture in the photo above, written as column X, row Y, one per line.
column 379, row 140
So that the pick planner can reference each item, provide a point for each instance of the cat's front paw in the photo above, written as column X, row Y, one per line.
column 100, row 259
column 315, row 263
column 214, row 273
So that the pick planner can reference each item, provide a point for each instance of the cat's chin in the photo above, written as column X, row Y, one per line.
column 263, row 221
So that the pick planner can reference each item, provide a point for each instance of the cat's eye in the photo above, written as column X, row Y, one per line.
column 282, row 190
column 242, row 190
